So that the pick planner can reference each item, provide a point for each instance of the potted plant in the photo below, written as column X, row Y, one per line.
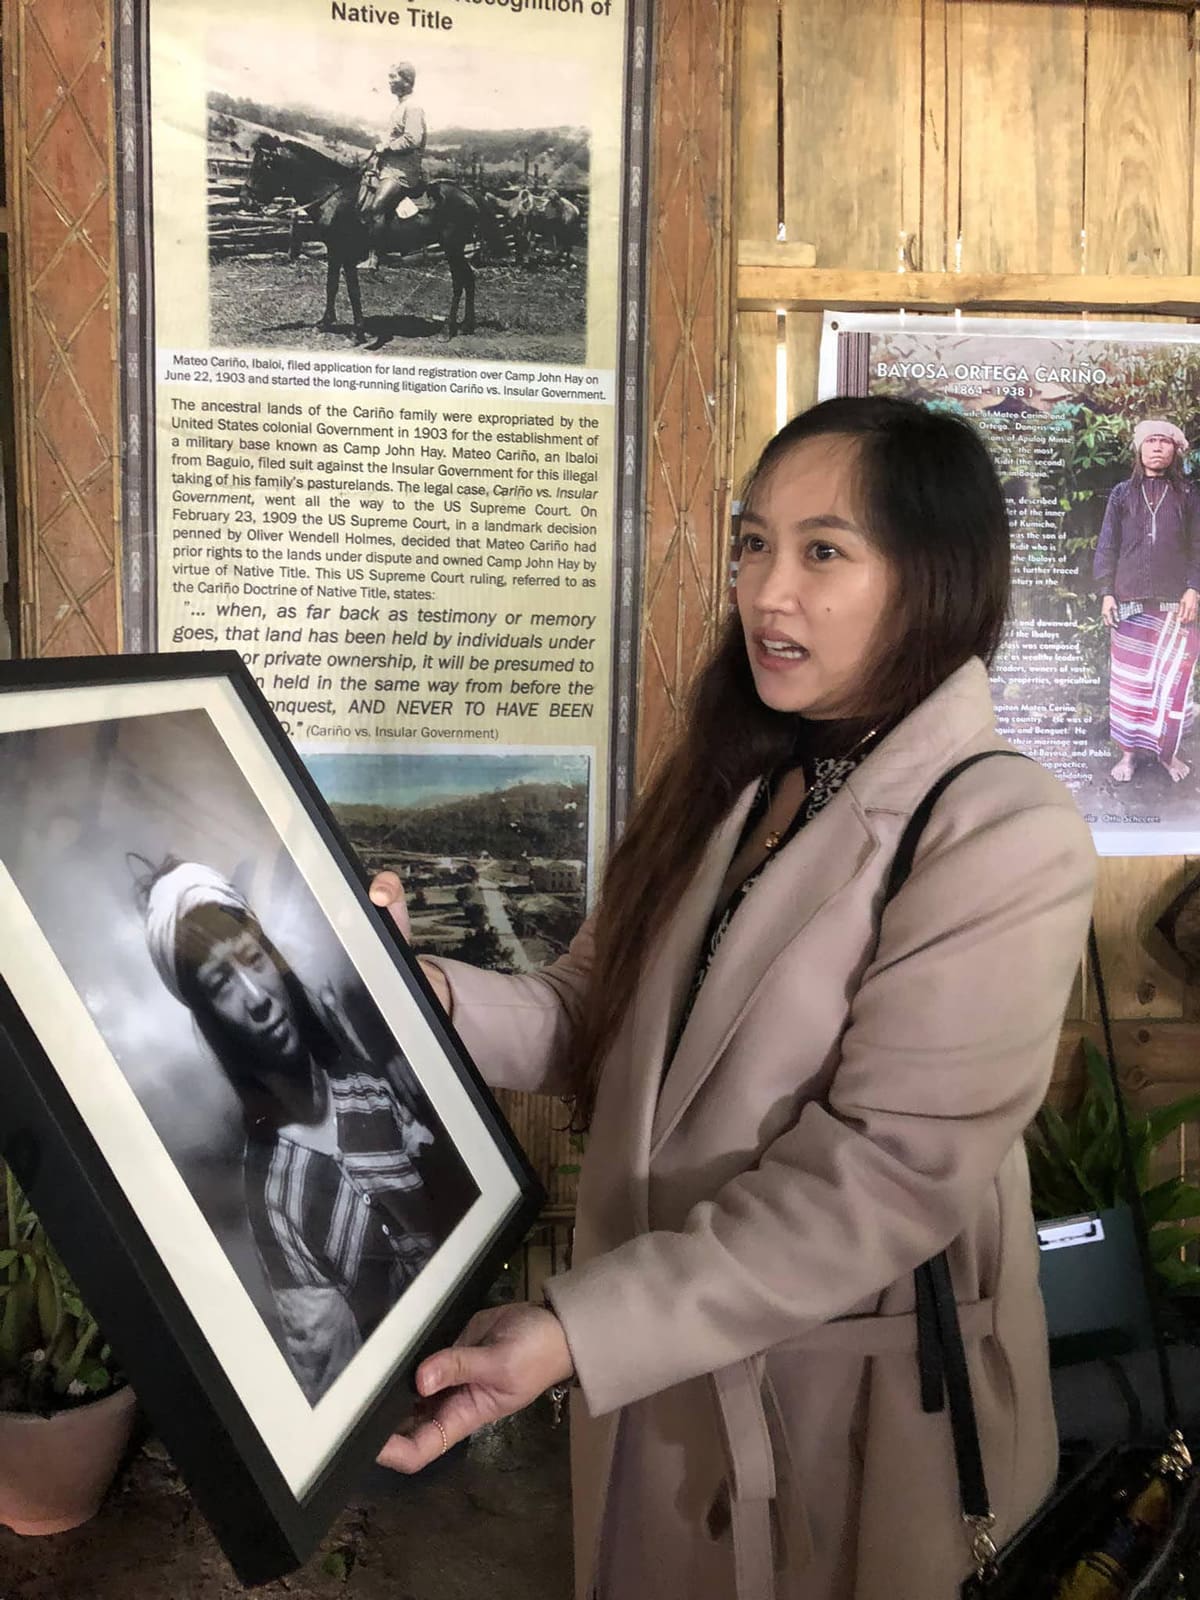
column 65, row 1412
column 1076, row 1166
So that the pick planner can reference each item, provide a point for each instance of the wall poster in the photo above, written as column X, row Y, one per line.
column 1095, row 430
column 382, row 377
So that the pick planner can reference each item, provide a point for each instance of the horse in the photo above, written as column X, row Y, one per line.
column 328, row 190
column 548, row 217
column 556, row 220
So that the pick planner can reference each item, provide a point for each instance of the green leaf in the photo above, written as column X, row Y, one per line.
column 1179, row 1274
column 1054, row 1191
column 1163, row 1122
column 1102, row 1171
column 1100, row 1083
column 1056, row 1134
column 1097, row 1200
column 1166, row 1242
column 94, row 1375
column 1171, row 1201
column 7, row 1257
column 336, row 1565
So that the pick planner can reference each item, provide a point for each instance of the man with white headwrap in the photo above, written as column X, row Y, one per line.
column 1147, row 571
column 336, row 1203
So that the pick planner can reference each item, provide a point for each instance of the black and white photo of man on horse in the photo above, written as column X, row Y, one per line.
column 406, row 163
column 330, row 194
column 394, row 178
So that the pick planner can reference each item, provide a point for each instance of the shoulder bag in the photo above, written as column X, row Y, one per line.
column 1123, row 1522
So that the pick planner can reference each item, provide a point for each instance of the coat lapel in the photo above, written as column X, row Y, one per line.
column 820, row 861
column 823, row 858
column 661, row 994
column 634, row 1068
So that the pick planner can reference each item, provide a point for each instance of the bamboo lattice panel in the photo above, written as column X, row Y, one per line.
column 60, row 142
column 688, row 402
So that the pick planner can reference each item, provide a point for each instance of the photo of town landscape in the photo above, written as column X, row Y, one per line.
column 492, row 848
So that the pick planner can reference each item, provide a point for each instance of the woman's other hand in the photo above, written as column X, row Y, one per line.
column 387, row 892
column 1188, row 606
column 1108, row 613
column 505, row 1357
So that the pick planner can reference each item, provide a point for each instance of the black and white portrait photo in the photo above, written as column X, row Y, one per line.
column 395, row 194
column 227, row 1000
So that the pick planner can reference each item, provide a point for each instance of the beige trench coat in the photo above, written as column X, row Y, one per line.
column 739, row 1309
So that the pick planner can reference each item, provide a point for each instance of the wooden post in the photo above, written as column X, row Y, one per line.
column 690, row 314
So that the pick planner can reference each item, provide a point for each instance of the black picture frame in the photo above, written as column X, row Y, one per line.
column 266, row 1519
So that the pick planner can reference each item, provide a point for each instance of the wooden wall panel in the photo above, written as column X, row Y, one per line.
column 757, row 353
column 803, row 340
column 1138, row 171
column 59, row 130
column 756, row 195
column 1048, row 138
column 941, row 103
column 852, row 128
column 1021, row 162
column 1130, row 894
column 758, row 211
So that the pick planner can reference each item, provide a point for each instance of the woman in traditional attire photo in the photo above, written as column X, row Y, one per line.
column 1147, row 571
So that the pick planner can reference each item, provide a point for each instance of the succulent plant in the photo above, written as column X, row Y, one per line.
column 52, row 1353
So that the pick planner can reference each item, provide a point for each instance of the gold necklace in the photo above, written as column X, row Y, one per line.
column 775, row 838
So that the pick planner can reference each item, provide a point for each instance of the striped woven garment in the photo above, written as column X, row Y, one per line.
column 358, row 1221
column 1150, row 689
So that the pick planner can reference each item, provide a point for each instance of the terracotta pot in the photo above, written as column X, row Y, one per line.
column 55, row 1471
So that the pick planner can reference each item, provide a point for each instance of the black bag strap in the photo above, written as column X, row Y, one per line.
column 906, row 850
column 941, row 1354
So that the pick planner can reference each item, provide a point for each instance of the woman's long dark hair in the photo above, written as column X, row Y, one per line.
column 930, row 499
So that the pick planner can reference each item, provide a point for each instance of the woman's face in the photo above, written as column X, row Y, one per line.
column 812, row 588
column 246, row 991
column 1158, row 454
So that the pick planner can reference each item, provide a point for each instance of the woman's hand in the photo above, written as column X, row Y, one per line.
column 387, row 892
column 1108, row 611
column 505, row 1357
column 1188, row 606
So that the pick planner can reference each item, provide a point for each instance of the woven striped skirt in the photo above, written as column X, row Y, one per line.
column 1150, row 690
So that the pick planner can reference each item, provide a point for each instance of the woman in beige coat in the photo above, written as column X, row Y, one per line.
column 795, row 1097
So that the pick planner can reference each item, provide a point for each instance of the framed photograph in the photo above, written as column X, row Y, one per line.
column 228, row 1090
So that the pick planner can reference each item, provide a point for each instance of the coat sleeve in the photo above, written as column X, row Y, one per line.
column 1108, row 545
column 519, row 1030
column 930, row 1094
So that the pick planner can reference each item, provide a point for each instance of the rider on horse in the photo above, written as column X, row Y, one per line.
column 395, row 171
